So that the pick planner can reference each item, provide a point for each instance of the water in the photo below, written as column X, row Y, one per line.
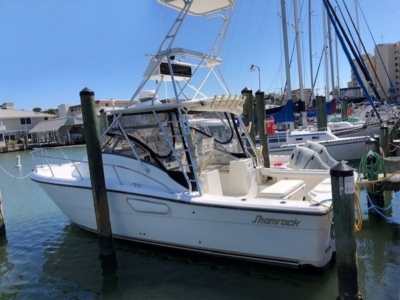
column 45, row 257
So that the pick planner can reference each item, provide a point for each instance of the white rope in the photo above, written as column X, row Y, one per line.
column 16, row 177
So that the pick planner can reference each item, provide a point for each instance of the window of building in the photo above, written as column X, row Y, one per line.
column 25, row 121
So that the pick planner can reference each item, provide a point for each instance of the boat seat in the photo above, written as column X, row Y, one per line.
column 241, row 178
column 211, row 183
column 283, row 189
column 322, row 191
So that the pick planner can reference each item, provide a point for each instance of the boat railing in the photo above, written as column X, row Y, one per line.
column 41, row 157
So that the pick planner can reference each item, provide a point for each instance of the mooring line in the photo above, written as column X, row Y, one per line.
column 16, row 177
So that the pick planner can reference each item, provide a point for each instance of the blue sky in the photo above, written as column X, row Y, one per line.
column 52, row 49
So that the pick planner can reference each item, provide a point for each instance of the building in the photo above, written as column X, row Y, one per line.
column 16, row 124
column 296, row 95
column 368, row 61
column 68, row 128
column 387, row 60
column 383, row 68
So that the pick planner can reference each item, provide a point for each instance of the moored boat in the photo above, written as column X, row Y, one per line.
column 184, row 173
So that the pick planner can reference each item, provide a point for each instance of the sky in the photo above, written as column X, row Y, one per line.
column 52, row 49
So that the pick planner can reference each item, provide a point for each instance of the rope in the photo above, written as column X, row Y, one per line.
column 16, row 177
column 357, row 204
column 380, row 210
column 371, row 165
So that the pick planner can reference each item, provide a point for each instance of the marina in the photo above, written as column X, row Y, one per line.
column 190, row 191
column 44, row 256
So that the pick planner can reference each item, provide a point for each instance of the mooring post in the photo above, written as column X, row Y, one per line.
column 260, row 105
column 343, row 188
column 343, row 108
column 103, row 122
column 372, row 145
column 2, row 225
column 322, row 123
column 96, row 172
column 384, row 139
column 248, row 112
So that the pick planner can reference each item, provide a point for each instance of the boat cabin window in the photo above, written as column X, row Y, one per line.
column 142, row 136
column 221, row 128
column 278, row 140
column 157, row 138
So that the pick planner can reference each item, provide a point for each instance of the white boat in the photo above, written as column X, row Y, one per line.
column 340, row 148
column 180, row 174
column 283, row 140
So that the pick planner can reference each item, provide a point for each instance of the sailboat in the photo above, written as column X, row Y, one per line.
column 343, row 140
column 184, row 173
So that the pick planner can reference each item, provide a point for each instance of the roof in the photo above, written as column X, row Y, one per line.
column 14, row 113
column 55, row 124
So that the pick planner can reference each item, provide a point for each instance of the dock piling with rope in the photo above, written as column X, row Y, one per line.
column 343, row 191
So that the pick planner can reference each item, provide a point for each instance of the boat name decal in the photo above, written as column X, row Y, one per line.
column 282, row 222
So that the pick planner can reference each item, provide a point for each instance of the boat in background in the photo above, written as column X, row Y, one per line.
column 184, row 172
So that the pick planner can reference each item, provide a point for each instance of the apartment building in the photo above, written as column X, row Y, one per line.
column 383, row 68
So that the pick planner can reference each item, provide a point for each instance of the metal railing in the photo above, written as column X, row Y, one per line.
column 41, row 158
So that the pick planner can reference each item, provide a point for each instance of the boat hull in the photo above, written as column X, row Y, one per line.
column 268, row 235
column 348, row 149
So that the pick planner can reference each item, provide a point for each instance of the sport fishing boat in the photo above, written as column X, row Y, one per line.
column 184, row 173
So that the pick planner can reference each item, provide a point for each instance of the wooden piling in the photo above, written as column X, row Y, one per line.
column 260, row 105
column 343, row 108
column 96, row 172
column 343, row 188
column 103, row 122
column 384, row 139
column 372, row 145
column 248, row 112
column 322, row 122
column 2, row 225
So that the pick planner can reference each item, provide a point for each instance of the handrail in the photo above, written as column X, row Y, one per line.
column 47, row 158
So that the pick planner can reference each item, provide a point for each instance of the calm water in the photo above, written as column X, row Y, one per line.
column 44, row 256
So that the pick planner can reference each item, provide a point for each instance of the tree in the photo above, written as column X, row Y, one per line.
column 51, row 111
column 37, row 109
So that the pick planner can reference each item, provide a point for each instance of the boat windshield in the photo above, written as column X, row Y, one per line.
column 156, row 137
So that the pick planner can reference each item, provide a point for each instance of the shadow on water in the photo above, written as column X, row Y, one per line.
column 140, row 271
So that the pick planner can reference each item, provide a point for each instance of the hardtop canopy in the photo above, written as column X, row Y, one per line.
column 199, row 7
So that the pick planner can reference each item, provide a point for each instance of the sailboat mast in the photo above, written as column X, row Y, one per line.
column 298, row 46
column 337, row 63
column 326, row 56
column 310, row 49
column 286, row 51
column 358, row 24
column 331, row 59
